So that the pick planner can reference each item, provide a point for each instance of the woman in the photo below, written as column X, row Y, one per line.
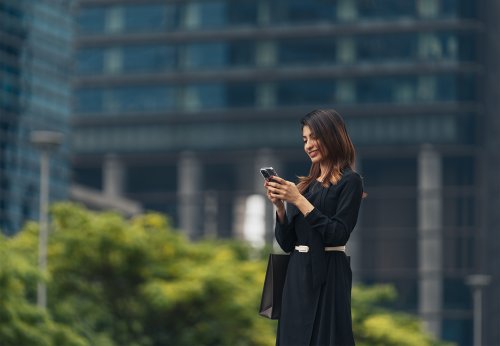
column 321, row 213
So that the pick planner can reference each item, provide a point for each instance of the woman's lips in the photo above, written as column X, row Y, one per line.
column 313, row 154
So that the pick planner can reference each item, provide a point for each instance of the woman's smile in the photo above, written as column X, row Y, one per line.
column 313, row 153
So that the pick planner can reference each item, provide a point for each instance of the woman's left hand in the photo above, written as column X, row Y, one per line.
column 284, row 190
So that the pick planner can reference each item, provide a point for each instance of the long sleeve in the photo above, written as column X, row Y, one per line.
column 285, row 234
column 336, row 230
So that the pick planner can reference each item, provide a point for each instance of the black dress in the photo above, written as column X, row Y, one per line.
column 316, row 304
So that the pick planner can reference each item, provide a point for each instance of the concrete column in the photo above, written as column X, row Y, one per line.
column 266, row 158
column 430, row 210
column 353, row 247
column 210, row 207
column 113, row 176
column 189, row 172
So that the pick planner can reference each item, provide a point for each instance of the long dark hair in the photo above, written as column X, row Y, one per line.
column 335, row 146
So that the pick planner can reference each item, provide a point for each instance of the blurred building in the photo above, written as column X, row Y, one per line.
column 36, row 39
column 178, row 103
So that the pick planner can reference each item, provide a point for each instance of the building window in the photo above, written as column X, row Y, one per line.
column 114, row 20
column 140, row 59
column 306, row 51
column 90, row 61
column 151, row 17
column 91, row 20
column 302, row 11
column 383, row 9
column 291, row 93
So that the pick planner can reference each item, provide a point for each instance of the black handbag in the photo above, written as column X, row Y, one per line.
column 270, row 304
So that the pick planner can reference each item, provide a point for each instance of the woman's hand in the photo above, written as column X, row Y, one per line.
column 276, row 201
column 284, row 190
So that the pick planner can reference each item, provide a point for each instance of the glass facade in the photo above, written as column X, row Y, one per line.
column 388, row 130
column 288, row 52
column 201, row 15
column 412, row 89
column 35, row 94
column 227, row 80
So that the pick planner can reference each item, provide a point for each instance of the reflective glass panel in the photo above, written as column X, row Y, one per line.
column 208, row 54
column 241, row 95
column 376, row 89
column 151, row 17
column 212, row 13
column 241, row 53
column 307, row 51
column 224, row 95
column 90, row 61
column 386, row 8
column 89, row 101
column 291, row 93
column 302, row 11
column 149, row 58
column 130, row 99
column 221, row 54
column 242, row 12
column 139, row 99
column 386, row 47
column 91, row 20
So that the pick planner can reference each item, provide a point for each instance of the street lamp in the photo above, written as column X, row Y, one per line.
column 46, row 141
column 477, row 283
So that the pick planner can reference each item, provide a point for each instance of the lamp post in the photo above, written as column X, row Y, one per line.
column 477, row 283
column 46, row 141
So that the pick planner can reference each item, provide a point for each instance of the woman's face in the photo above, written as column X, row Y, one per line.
column 311, row 145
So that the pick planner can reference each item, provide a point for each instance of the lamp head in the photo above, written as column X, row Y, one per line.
column 46, row 140
column 477, row 281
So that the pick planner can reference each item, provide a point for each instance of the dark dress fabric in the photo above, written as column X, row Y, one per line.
column 316, row 304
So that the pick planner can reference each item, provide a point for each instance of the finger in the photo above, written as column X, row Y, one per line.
column 273, row 189
column 276, row 185
column 276, row 194
column 278, row 179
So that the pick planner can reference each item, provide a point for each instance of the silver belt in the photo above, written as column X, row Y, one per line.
column 304, row 248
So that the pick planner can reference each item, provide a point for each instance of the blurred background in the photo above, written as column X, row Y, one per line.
column 174, row 105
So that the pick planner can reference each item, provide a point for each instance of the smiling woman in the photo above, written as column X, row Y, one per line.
column 322, row 212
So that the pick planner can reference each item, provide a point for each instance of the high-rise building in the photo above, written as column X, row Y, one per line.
column 178, row 103
column 36, row 39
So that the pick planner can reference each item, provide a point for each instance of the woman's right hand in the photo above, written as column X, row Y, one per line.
column 276, row 201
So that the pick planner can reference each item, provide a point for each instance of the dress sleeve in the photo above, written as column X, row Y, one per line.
column 285, row 234
column 337, row 229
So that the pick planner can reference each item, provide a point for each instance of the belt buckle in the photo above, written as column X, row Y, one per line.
column 303, row 248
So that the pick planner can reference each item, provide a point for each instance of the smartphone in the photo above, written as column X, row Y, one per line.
column 267, row 172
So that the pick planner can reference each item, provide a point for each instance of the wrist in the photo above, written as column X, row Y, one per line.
column 298, row 200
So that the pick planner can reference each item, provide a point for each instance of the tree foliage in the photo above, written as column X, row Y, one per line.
column 374, row 325
column 21, row 321
column 140, row 282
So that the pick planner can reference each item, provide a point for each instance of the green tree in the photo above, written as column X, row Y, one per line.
column 21, row 321
column 140, row 282
column 374, row 325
